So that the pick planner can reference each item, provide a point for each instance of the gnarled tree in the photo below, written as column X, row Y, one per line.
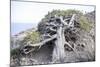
column 55, row 30
column 62, row 30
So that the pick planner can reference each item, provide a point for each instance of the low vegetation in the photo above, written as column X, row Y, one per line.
column 33, row 37
column 84, row 24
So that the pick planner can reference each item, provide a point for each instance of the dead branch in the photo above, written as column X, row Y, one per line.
column 38, row 44
column 63, row 21
column 72, row 19
column 66, row 43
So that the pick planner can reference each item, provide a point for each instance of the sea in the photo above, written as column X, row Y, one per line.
column 18, row 27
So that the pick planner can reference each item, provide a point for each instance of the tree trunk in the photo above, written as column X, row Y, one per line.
column 59, row 52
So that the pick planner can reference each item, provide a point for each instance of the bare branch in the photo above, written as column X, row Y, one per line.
column 43, row 42
column 72, row 19
column 66, row 19
column 26, row 52
column 66, row 43
column 52, row 29
column 51, row 24
column 38, row 44
column 63, row 21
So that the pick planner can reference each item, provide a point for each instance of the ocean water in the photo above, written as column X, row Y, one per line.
column 18, row 27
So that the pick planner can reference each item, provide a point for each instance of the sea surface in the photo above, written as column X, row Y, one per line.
column 18, row 27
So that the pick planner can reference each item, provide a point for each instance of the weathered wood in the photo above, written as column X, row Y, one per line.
column 58, row 51
column 66, row 43
column 63, row 21
column 38, row 44
column 72, row 20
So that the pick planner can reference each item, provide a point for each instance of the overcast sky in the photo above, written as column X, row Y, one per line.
column 30, row 12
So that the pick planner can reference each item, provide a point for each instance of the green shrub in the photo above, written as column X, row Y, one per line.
column 84, row 23
column 63, row 13
column 33, row 37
